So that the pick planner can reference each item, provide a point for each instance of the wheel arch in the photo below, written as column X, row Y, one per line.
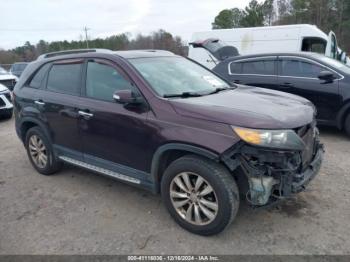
column 343, row 112
column 167, row 153
column 28, row 122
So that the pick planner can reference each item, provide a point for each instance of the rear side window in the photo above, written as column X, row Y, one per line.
column 263, row 67
column 297, row 68
column 65, row 78
column 102, row 80
column 39, row 77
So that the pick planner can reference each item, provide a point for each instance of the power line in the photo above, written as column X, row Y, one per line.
column 86, row 36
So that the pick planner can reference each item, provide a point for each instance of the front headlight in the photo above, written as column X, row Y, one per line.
column 279, row 139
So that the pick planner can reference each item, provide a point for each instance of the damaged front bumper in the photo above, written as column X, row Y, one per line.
column 301, row 180
column 265, row 175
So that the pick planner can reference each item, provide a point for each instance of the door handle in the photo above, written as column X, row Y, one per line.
column 85, row 114
column 39, row 102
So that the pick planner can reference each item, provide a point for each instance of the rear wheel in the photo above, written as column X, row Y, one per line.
column 40, row 152
column 200, row 195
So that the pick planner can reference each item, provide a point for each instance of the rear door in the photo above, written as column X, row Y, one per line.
column 58, row 102
column 260, row 72
column 300, row 76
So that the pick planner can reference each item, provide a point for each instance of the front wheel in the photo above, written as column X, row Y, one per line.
column 201, row 195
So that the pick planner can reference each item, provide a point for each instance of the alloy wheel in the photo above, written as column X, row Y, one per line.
column 38, row 151
column 193, row 198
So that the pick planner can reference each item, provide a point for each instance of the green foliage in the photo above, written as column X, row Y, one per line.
column 156, row 40
column 326, row 14
column 255, row 14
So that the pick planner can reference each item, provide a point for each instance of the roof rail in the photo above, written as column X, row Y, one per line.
column 73, row 51
column 155, row 51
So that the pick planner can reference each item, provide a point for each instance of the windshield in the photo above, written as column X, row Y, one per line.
column 335, row 63
column 3, row 71
column 176, row 75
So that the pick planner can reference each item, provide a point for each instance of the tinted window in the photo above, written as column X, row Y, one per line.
column 264, row 67
column 235, row 68
column 65, row 78
column 300, row 68
column 103, row 80
column 39, row 76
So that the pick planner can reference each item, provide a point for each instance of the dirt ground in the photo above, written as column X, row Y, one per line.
column 78, row 212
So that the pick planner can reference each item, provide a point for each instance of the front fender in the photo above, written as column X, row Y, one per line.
column 157, row 157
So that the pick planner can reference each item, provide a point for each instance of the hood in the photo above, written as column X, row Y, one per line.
column 3, row 88
column 248, row 106
column 8, row 77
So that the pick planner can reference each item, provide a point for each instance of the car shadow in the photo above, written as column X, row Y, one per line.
column 333, row 132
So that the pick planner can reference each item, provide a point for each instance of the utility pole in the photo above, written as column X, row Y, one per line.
column 86, row 36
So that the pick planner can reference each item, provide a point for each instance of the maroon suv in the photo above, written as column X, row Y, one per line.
column 169, row 125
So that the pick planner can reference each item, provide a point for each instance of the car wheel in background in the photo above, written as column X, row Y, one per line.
column 6, row 114
column 347, row 124
column 201, row 195
column 40, row 152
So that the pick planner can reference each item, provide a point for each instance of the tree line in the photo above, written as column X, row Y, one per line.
column 157, row 40
column 325, row 14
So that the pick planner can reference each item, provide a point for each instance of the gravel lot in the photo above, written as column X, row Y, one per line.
column 78, row 212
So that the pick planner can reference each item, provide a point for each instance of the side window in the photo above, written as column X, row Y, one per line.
column 235, row 68
column 65, row 78
column 103, row 80
column 39, row 77
column 263, row 67
column 297, row 68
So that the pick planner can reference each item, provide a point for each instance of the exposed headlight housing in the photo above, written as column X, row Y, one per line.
column 278, row 139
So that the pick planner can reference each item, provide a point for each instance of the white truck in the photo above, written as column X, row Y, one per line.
column 254, row 40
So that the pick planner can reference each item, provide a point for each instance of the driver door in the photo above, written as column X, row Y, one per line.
column 300, row 76
column 112, row 133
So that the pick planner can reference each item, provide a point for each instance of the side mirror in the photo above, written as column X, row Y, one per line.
column 127, row 97
column 327, row 76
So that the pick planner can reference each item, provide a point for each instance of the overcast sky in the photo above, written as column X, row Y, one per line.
column 32, row 20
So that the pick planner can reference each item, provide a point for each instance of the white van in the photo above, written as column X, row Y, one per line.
column 253, row 40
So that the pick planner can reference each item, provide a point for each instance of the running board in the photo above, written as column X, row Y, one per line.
column 99, row 170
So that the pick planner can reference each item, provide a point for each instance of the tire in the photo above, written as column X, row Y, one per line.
column 51, row 165
column 347, row 125
column 224, row 199
column 6, row 114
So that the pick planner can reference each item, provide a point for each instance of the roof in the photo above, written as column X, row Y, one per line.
column 143, row 53
column 125, row 54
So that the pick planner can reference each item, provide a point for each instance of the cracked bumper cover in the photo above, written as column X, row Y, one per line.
column 271, row 175
column 303, row 179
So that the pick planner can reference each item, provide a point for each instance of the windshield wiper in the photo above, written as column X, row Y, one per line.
column 183, row 95
column 219, row 89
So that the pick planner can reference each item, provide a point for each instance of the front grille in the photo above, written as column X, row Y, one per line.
column 10, row 84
